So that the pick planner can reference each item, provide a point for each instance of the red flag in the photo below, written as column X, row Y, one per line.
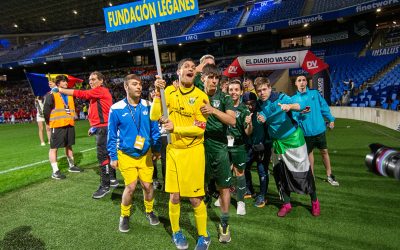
column 312, row 64
column 72, row 81
column 234, row 70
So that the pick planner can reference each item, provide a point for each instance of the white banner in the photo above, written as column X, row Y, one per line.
column 272, row 61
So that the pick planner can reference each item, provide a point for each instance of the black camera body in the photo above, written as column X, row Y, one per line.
column 383, row 161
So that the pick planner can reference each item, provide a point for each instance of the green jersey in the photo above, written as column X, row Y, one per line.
column 197, row 82
column 215, row 129
column 238, row 132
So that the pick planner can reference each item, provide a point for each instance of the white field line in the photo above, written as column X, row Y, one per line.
column 36, row 163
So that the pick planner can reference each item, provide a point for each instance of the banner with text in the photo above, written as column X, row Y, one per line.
column 385, row 51
column 304, row 59
column 140, row 13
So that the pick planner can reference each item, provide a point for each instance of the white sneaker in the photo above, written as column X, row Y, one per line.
column 332, row 180
column 42, row 144
column 241, row 208
column 217, row 203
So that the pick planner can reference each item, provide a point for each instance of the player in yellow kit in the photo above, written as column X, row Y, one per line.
column 185, row 166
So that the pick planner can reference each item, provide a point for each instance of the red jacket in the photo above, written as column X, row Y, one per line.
column 100, row 103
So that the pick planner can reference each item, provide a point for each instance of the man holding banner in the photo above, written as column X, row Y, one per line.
column 184, row 175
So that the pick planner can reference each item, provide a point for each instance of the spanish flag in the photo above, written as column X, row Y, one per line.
column 40, row 82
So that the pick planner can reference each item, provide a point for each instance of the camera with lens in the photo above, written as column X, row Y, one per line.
column 383, row 161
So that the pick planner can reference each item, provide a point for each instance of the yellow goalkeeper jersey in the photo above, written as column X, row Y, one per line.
column 184, row 111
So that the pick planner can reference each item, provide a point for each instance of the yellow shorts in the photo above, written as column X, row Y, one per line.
column 185, row 170
column 131, row 168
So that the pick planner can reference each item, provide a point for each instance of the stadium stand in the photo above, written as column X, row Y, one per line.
column 264, row 13
column 18, row 53
column 348, row 67
column 392, row 37
column 321, row 6
column 383, row 93
column 335, row 48
column 169, row 29
column 221, row 20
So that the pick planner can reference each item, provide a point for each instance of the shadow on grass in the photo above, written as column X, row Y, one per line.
column 21, row 238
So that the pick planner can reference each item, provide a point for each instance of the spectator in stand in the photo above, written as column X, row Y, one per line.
column 40, row 120
column 100, row 103
column 345, row 100
column 350, row 86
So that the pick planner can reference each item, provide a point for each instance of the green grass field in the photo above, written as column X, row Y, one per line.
column 40, row 213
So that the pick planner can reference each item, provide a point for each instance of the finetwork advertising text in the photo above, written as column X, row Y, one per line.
column 370, row 6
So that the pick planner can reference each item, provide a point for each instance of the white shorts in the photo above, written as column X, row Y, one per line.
column 39, row 119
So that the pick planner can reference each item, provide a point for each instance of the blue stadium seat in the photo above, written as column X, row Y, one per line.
column 284, row 9
column 327, row 5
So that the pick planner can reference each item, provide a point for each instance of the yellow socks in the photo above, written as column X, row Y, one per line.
column 148, row 205
column 125, row 210
column 174, row 214
column 200, row 214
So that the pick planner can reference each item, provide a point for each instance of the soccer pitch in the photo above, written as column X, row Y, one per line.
column 38, row 212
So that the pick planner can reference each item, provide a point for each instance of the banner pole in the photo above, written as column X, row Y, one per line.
column 159, row 72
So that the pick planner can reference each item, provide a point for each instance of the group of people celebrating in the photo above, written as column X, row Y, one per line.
column 217, row 129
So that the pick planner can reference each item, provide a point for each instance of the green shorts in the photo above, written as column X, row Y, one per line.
column 218, row 166
column 316, row 141
column 238, row 156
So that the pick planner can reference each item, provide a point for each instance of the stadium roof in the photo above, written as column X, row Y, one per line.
column 28, row 16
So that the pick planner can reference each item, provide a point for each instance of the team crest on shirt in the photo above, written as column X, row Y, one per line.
column 216, row 103
column 237, row 114
column 192, row 100
column 145, row 112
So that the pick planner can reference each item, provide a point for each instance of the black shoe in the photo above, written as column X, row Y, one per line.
column 124, row 224
column 101, row 192
column 114, row 183
column 58, row 175
column 75, row 169
column 153, row 219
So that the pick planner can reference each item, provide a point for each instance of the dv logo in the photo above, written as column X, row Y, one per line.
column 232, row 70
column 312, row 64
